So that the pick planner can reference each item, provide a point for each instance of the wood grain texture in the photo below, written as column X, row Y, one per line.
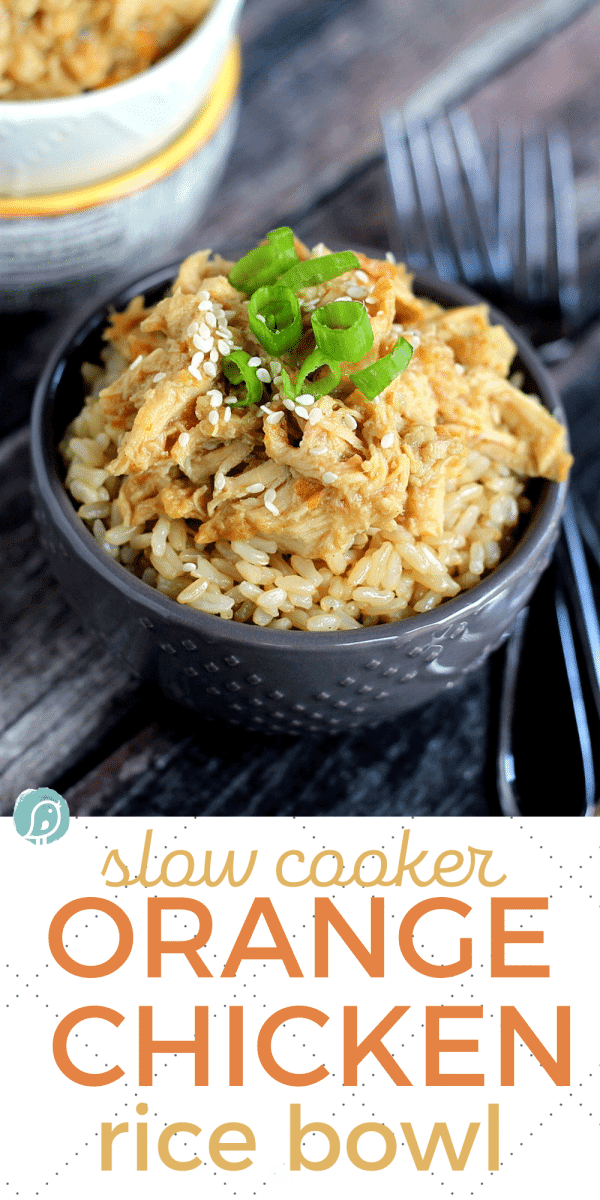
column 308, row 152
column 314, row 88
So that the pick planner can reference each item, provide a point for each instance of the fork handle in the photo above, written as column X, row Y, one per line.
column 505, row 43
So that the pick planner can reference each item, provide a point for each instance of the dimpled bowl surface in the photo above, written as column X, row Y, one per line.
column 271, row 680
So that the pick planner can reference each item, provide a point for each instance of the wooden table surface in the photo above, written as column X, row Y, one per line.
column 308, row 153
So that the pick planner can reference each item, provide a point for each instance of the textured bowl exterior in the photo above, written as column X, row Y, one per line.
column 71, row 141
column 277, row 681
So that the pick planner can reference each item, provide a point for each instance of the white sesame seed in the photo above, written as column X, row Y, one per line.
column 371, row 300
column 214, row 355
column 204, row 295
column 189, row 567
column 387, row 440
column 315, row 416
column 270, row 495
column 329, row 477
column 211, row 320
column 216, row 401
column 362, row 276
column 218, row 310
column 259, row 317
column 349, row 421
column 159, row 375
column 210, row 369
column 184, row 439
column 227, row 416
column 275, row 366
column 136, row 362
column 198, row 342
column 301, row 411
column 265, row 408
column 255, row 488
column 289, row 404
column 391, row 258
column 219, row 483
column 223, row 346
column 277, row 379
column 203, row 330
column 213, row 417
column 272, row 508
column 275, row 418
column 254, row 362
column 356, row 293
column 194, row 371
column 231, row 400
column 205, row 306
column 263, row 375
column 306, row 399
column 459, row 368
column 197, row 358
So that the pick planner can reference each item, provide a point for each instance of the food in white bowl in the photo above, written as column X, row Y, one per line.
column 329, row 453
column 51, row 48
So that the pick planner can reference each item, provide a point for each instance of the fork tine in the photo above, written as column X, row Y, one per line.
column 565, row 222
column 428, row 198
column 508, row 192
column 479, row 192
column 460, row 227
column 534, row 245
column 406, row 236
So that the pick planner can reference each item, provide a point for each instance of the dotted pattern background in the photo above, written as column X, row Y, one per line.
column 548, row 1135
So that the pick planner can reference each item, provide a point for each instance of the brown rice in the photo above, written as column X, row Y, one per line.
column 339, row 514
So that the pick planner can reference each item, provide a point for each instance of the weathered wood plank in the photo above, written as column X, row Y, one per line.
column 315, row 78
column 312, row 110
column 58, row 689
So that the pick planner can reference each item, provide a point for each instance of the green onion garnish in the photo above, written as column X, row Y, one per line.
column 317, row 387
column 318, row 270
column 263, row 264
column 372, row 380
column 236, row 370
column 275, row 318
column 342, row 330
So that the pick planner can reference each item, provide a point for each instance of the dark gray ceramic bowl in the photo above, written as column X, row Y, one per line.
column 272, row 680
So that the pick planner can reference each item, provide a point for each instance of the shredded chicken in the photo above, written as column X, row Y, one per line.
column 346, row 467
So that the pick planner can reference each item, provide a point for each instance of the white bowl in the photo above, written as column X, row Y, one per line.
column 93, row 235
column 54, row 145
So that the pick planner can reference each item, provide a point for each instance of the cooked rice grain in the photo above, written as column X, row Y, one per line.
column 346, row 513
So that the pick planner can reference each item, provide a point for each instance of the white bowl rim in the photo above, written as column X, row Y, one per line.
column 84, row 102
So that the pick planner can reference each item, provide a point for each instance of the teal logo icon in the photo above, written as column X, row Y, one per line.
column 41, row 816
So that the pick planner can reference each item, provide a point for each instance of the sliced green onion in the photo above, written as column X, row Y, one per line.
column 275, row 318
column 236, row 370
column 318, row 270
column 372, row 380
column 263, row 264
column 342, row 330
column 317, row 387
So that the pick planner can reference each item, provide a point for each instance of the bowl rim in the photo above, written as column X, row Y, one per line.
column 213, row 628
column 214, row 110
column 79, row 105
